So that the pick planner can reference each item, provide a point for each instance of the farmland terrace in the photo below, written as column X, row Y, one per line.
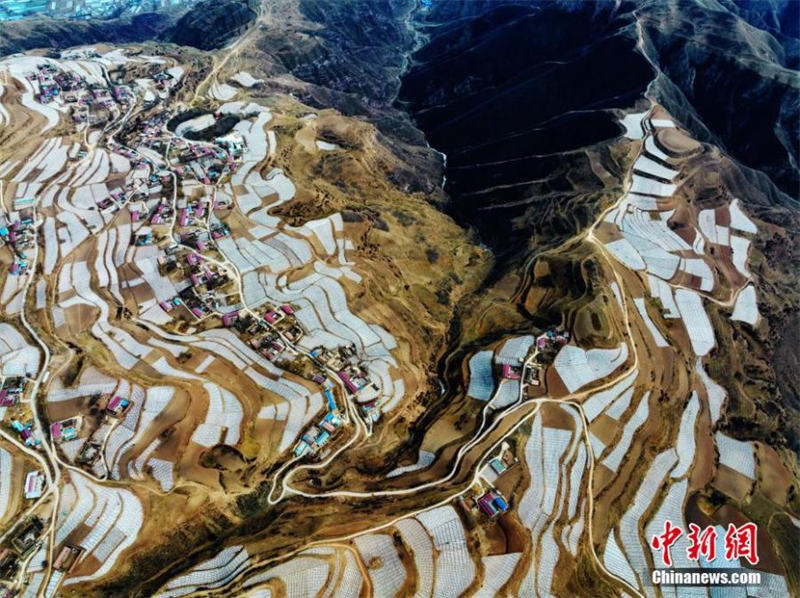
column 242, row 355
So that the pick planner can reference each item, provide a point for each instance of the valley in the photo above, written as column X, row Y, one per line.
column 275, row 323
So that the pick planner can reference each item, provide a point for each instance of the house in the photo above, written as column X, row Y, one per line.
column 348, row 382
column 6, row 560
column 485, row 504
column 143, row 239
column 117, row 406
column 532, row 375
column 497, row 465
column 25, row 540
column 331, row 400
column 354, row 380
column 510, row 372
column 330, row 422
column 193, row 259
column 492, row 503
column 273, row 316
column 25, row 432
column 67, row 558
column 34, row 485
column 294, row 333
column 65, row 430
column 11, row 391
column 229, row 318
column 301, row 448
column 322, row 437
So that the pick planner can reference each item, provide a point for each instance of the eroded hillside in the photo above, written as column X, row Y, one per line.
column 250, row 349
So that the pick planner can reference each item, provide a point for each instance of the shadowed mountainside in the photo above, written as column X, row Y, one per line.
column 515, row 92
column 522, row 99
column 732, row 83
column 211, row 24
column 512, row 94
column 346, row 54
column 206, row 25
column 27, row 34
column 781, row 18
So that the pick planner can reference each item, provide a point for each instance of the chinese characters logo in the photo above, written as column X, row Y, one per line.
column 740, row 542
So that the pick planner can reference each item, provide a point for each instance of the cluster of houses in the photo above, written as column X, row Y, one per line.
column 164, row 81
column 12, row 10
column 21, row 544
column 49, row 89
column 358, row 384
column 547, row 346
column 234, row 144
column 345, row 362
column 89, row 453
column 17, row 549
column 66, row 430
column 355, row 380
column 264, row 333
column 17, row 232
column 12, row 388
column 549, row 342
column 162, row 213
column 487, row 498
column 202, row 286
column 149, row 132
column 72, row 89
column 208, row 163
column 199, row 239
column 24, row 428
column 138, row 164
column 317, row 436
column 191, row 212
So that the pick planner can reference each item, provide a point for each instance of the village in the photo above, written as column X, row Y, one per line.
column 159, row 182
column 180, row 233
column 11, row 10
column 182, row 344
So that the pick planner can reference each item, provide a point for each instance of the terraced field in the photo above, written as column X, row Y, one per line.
column 239, row 359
